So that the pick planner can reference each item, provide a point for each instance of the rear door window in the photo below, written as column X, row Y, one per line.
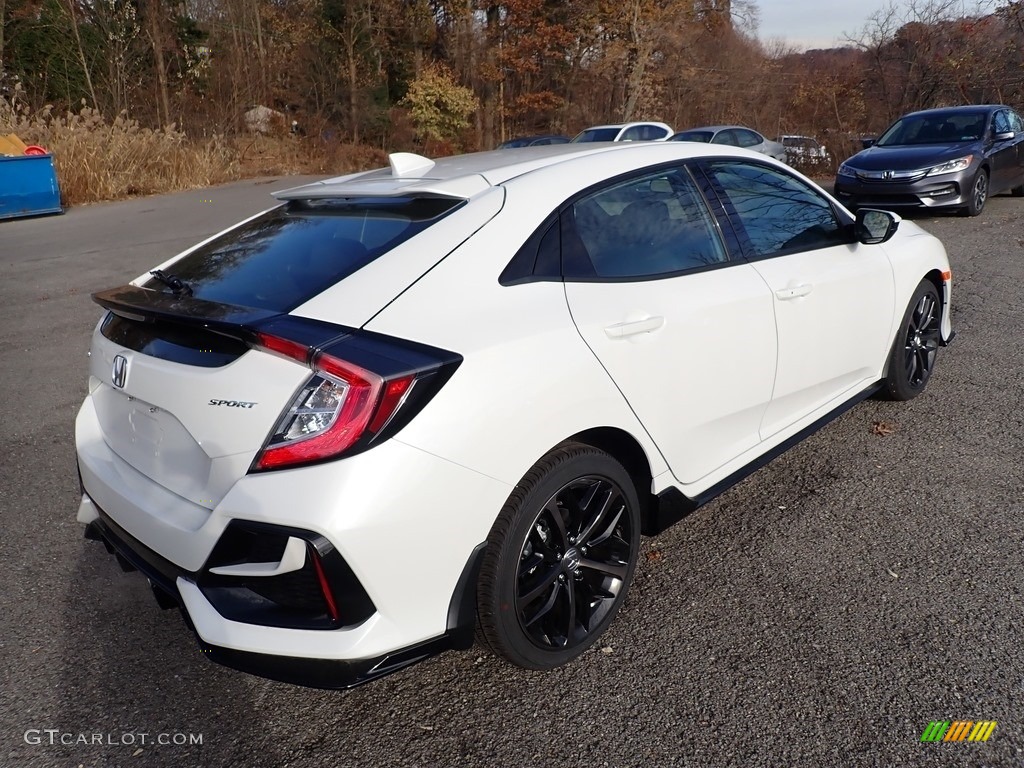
column 653, row 225
column 290, row 254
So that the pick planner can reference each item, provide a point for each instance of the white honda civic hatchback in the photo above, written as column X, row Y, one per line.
column 444, row 399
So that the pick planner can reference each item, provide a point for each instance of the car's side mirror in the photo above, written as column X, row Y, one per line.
column 866, row 143
column 873, row 227
column 1004, row 135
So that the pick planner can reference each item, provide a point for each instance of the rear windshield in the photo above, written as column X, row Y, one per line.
column 701, row 136
column 290, row 254
column 597, row 134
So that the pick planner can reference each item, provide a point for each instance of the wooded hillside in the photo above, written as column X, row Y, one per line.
column 466, row 74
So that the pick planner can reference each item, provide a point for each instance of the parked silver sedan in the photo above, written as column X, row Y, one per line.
column 734, row 136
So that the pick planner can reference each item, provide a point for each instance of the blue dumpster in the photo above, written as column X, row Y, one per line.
column 28, row 186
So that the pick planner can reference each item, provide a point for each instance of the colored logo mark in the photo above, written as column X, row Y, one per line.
column 958, row 730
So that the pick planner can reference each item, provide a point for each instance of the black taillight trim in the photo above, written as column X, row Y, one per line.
column 385, row 356
column 389, row 358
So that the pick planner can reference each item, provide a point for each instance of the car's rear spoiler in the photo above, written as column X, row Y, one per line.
column 278, row 332
column 243, row 323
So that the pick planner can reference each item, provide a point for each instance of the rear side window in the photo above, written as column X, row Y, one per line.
column 648, row 226
column 290, row 254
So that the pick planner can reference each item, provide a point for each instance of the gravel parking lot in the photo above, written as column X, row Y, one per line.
column 821, row 613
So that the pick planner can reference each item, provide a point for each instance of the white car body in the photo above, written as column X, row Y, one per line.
column 704, row 374
column 636, row 131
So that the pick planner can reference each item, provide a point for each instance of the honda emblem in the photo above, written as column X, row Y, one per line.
column 119, row 372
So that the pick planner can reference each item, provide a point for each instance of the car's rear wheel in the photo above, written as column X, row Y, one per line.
column 560, row 558
column 979, row 194
column 917, row 344
column 1017, row 191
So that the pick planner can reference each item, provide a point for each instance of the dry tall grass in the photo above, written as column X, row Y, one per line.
column 100, row 159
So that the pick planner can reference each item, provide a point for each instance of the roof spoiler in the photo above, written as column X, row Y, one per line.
column 405, row 177
column 243, row 323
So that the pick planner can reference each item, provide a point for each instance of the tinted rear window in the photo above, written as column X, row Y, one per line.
column 597, row 134
column 290, row 254
column 701, row 136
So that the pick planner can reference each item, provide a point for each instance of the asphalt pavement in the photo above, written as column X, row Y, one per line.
column 821, row 613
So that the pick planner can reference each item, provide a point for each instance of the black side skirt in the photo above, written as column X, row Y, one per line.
column 673, row 505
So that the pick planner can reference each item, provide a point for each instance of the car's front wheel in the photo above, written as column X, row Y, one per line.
column 917, row 344
column 560, row 558
column 979, row 194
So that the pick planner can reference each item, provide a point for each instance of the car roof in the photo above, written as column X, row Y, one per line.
column 532, row 136
column 627, row 125
column 961, row 108
column 465, row 176
column 717, row 128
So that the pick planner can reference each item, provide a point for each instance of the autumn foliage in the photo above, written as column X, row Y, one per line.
column 458, row 75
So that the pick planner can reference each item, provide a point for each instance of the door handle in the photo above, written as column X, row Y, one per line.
column 633, row 327
column 795, row 292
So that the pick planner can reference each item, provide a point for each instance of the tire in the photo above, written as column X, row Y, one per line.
column 1017, row 191
column 979, row 194
column 560, row 558
column 912, row 359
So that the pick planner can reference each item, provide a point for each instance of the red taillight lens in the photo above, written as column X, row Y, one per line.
column 284, row 347
column 337, row 407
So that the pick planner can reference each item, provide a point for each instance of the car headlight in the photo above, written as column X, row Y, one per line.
column 846, row 170
column 960, row 164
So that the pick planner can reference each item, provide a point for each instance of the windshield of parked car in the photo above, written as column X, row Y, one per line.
column 936, row 128
column 701, row 136
column 283, row 258
column 596, row 134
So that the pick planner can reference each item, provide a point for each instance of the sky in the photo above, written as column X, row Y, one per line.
column 815, row 23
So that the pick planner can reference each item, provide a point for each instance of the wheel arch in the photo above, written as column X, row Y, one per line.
column 628, row 451
column 933, row 276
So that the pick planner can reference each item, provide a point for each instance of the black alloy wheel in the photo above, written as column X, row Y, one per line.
column 560, row 558
column 979, row 194
column 913, row 356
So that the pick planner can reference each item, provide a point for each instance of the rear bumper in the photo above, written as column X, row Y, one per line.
column 170, row 583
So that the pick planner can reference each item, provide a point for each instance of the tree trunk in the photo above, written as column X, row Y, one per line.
column 73, row 16
column 261, row 51
column 156, row 40
column 3, row 17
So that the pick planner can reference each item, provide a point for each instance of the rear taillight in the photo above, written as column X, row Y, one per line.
column 345, row 407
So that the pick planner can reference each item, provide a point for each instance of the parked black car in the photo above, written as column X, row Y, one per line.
column 950, row 158
column 534, row 141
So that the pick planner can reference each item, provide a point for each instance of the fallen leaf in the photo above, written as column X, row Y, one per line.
column 653, row 556
column 882, row 428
